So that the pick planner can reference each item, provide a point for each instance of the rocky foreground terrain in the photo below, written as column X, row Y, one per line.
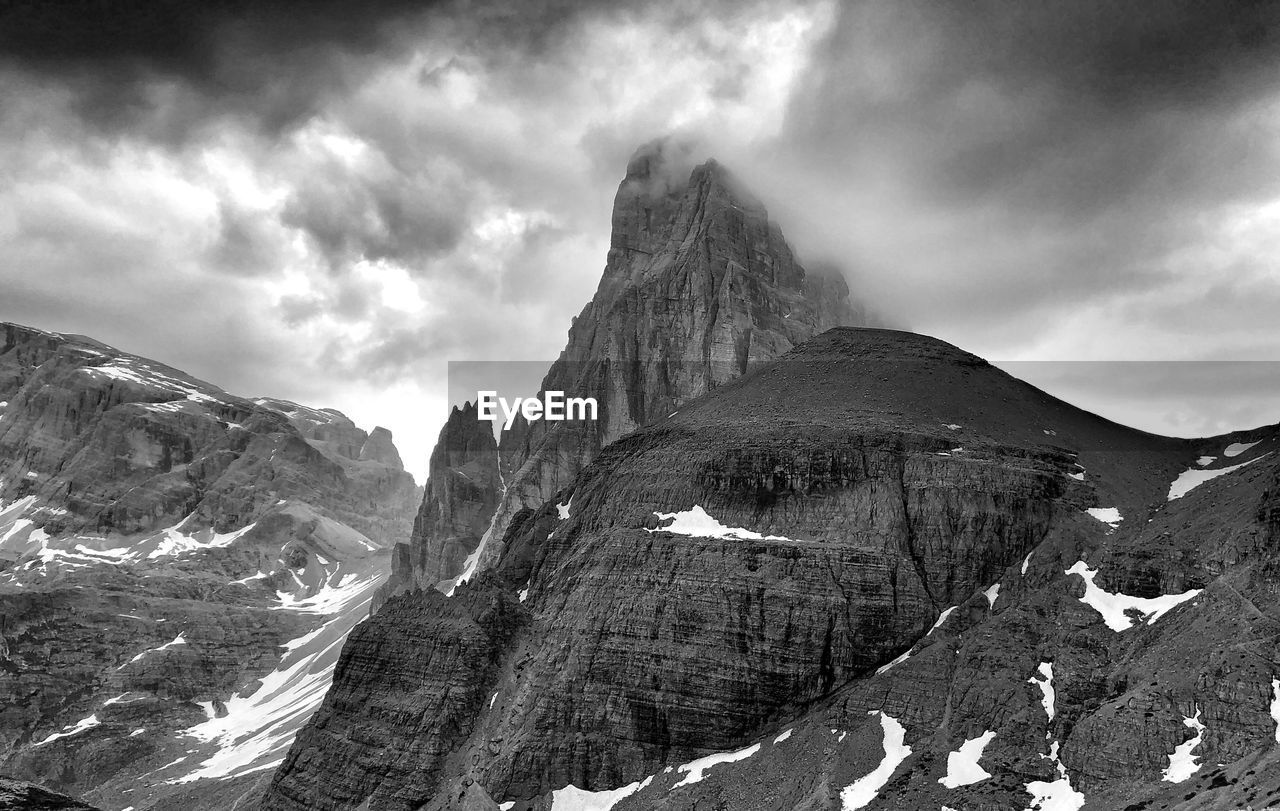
column 178, row 569
column 876, row 573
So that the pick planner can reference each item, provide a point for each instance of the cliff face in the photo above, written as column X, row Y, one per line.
column 699, row 285
column 463, row 488
column 178, row 567
column 875, row 532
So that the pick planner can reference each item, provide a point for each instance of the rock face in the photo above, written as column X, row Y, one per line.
column 463, row 486
column 178, row 568
column 737, row 607
column 16, row 795
column 699, row 285
column 379, row 447
column 446, row 656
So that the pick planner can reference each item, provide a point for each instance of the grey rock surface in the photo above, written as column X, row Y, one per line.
column 166, row 550
column 883, row 485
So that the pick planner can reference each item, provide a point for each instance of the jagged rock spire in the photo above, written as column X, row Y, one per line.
column 699, row 285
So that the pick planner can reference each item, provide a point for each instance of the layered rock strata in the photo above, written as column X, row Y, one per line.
column 742, row 604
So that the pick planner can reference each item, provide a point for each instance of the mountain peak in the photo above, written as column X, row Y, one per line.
column 698, row 286
column 662, row 177
column 666, row 159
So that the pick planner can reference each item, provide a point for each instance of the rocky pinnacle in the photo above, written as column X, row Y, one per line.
column 699, row 285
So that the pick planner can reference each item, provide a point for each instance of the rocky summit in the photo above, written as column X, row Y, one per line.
column 877, row 572
column 699, row 285
column 178, row 569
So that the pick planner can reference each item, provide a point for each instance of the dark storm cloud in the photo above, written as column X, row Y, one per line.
column 272, row 58
column 167, row 66
column 997, row 85
column 1064, row 104
column 1023, row 157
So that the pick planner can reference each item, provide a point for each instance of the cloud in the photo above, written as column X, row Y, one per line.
column 989, row 171
column 371, row 211
column 175, row 64
column 289, row 198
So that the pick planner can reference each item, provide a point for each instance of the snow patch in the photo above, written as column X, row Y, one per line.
column 1182, row 764
column 696, row 768
column 1236, row 448
column 697, row 523
column 563, row 509
column 1275, row 706
column 1056, row 795
column 74, row 729
column 1108, row 515
column 991, row 594
column 1047, row 693
column 1114, row 608
column 180, row 639
column 1188, row 480
column 332, row 597
column 962, row 764
column 172, row 541
column 134, row 370
column 941, row 619
column 1206, row 460
column 524, row 593
column 122, row 699
column 862, row 791
column 257, row 729
column 571, row 798
column 907, row 653
column 1027, row 561
column 782, row 736
column 885, row 668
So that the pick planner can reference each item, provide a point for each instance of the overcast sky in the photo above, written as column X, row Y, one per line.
column 327, row 201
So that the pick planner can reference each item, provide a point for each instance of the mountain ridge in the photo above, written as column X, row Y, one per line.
column 178, row 568
column 722, row 581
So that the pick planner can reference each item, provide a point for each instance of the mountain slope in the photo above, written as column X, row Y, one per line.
column 876, row 534
column 699, row 285
column 178, row 568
